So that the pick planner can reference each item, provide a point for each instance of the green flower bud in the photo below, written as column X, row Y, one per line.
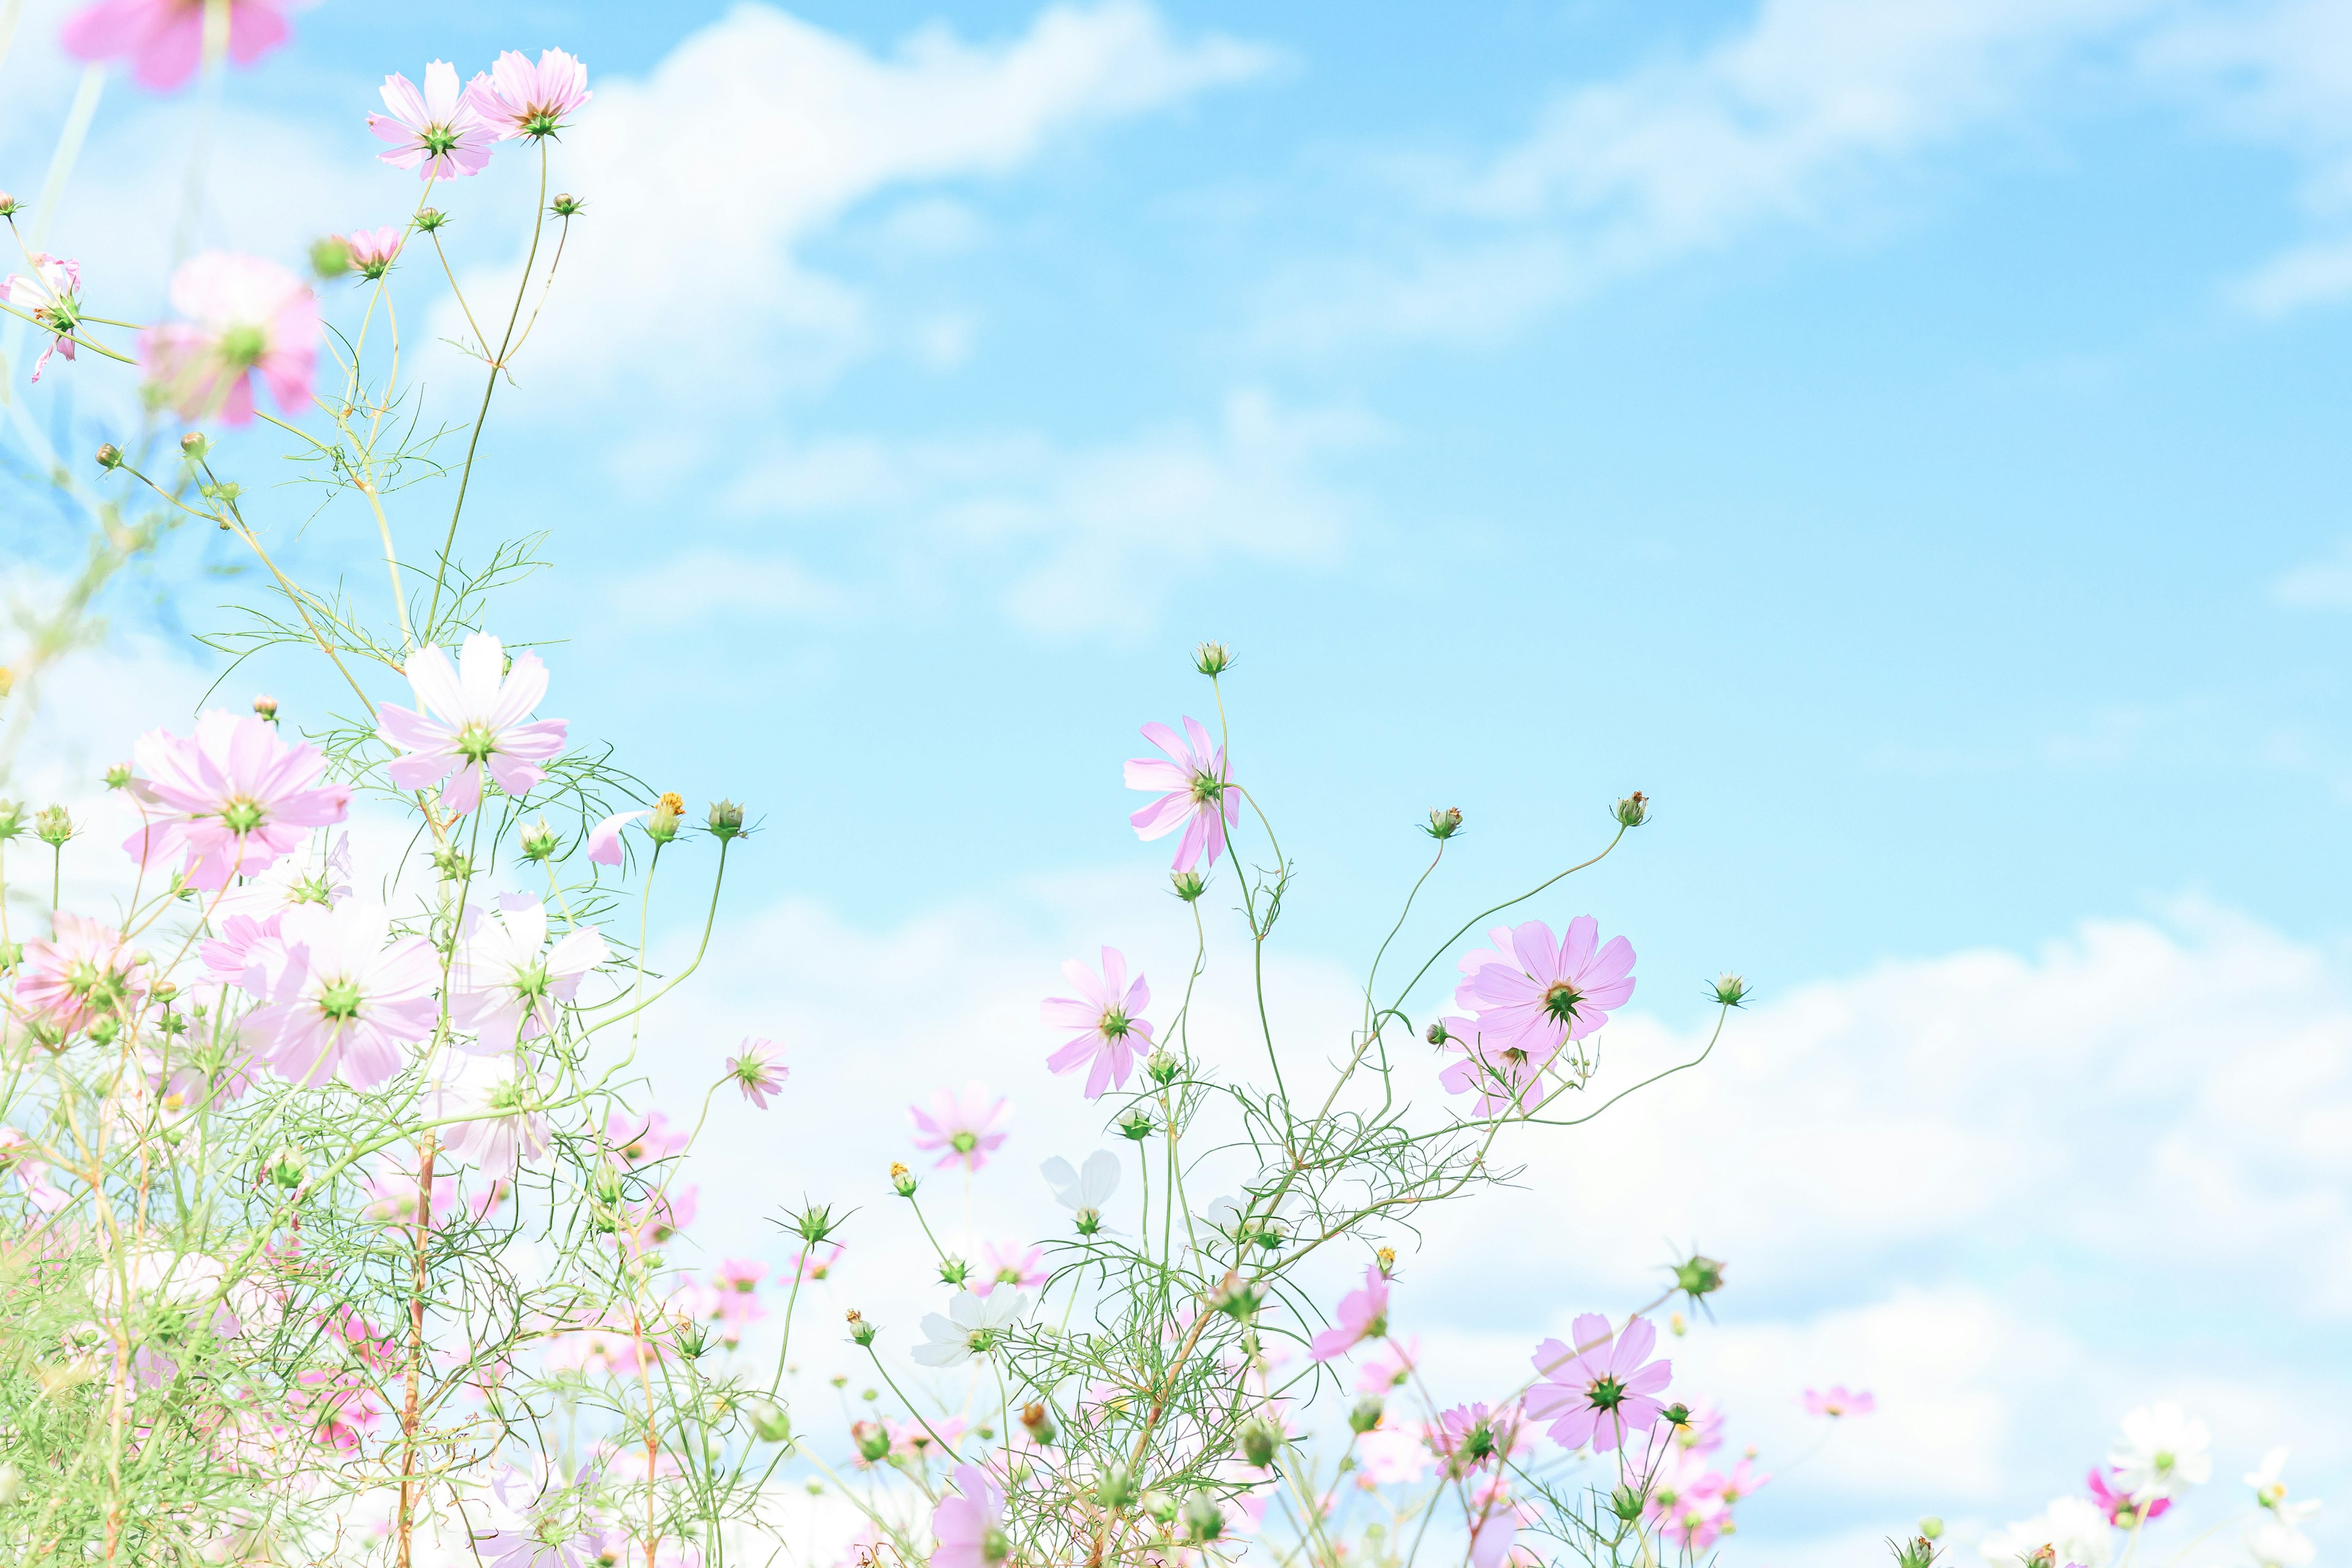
column 110, row 457
column 1932, row 1527
column 12, row 954
column 12, row 819
column 1213, row 658
column 540, row 841
column 266, row 706
column 1189, row 885
column 288, row 1168
column 662, row 825
column 873, row 1441
column 1445, row 823
column 726, row 820
column 194, row 446
column 902, row 1179
column 1203, row 1520
column 565, row 205
column 1136, row 1124
column 1161, row 1506
column 1259, row 1442
column 1367, row 1414
column 119, row 776
column 52, row 826
column 1164, row 1068
column 452, row 866
column 1918, row 1553
column 430, row 218
column 1633, row 811
column 994, row 1547
column 1237, row 1297
column 862, row 1332
column 331, row 256
column 1699, row 1275
column 1730, row 991
column 1627, row 1502
column 9, row 207
column 1116, row 1489
column 953, row 1270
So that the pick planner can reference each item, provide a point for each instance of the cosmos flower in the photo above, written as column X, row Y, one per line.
column 1391, row 1368
column 1603, row 1388
column 292, row 879
column 2162, row 1450
column 966, row 1128
column 52, row 297
column 1105, row 1020
column 2269, row 1488
column 968, row 1522
column 641, row 1137
column 439, row 133
column 507, row 982
column 471, row 716
column 1198, row 795
column 1468, row 1437
column 498, row 1101
column 372, row 250
column 1536, row 995
column 1006, row 1265
column 164, row 39
column 1838, row 1400
column 236, row 317
column 348, row 998
column 760, row 1071
column 1363, row 1315
column 1084, row 1192
column 517, row 98
column 2123, row 1510
column 1502, row 1073
column 232, row 795
column 975, row 1325
column 86, row 971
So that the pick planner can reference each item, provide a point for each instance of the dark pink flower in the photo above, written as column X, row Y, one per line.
column 1198, row 796
column 1105, row 1020
column 470, row 718
column 439, row 132
column 520, row 98
column 164, row 39
column 1535, row 996
column 237, row 317
column 1363, row 1315
column 966, row 1127
column 2123, row 1510
column 232, row 795
column 1603, row 1388
column 1838, row 1400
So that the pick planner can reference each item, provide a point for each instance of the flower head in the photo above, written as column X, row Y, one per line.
column 86, row 972
column 346, row 997
column 1106, row 1023
column 52, row 297
column 507, row 982
column 1363, row 1315
column 1468, row 1437
column 2270, row 1489
column 966, row 1127
column 1391, row 1368
column 1503, row 1074
column 520, row 98
column 470, row 717
column 1004, row 1265
column 975, row 1325
column 760, row 1071
column 237, row 316
column 164, row 39
column 232, row 795
column 440, row 133
column 1084, row 1191
column 2123, row 1510
column 968, row 1523
column 1535, row 995
column 2163, row 1449
column 294, row 877
column 500, row 1101
column 1839, row 1400
column 1198, row 795
column 372, row 251
column 1603, row 1388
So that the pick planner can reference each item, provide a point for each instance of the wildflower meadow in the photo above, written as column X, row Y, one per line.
column 342, row 1221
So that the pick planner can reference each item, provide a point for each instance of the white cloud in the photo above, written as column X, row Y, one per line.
column 2322, row 584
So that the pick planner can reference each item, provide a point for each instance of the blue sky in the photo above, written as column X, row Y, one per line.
column 1905, row 441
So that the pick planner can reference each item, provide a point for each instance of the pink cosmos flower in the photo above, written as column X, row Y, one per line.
column 18, row 1159
column 605, row 838
column 372, row 250
column 1536, row 997
column 86, row 971
column 966, row 1127
column 1363, row 1315
column 1391, row 1368
column 1501, row 1073
column 339, row 1407
column 1004, row 1265
column 654, row 1223
column 52, row 297
column 1392, row 1456
column 641, row 1137
column 2123, row 1509
column 1105, row 1020
column 239, row 317
column 164, row 39
column 1198, row 796
column 592, row 1349
column 968, row 1523
column 1838, row 1400
column 816, row 1262
column 1603, row 1388
column 471, row 716
column 520, row 98
column 291, row 880
column 440, row 129
column 739, row 1276
column 760, row 1071
column 1495, row 1521
column 349, row 997
column 498, row 1099
column 232, row 795
column 1702, row 1433
column 1469, row 1437
column 507, row 982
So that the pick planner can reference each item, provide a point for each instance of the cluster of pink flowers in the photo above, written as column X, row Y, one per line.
column 445, row 132
column 1691, row 1500
column 1527, row 997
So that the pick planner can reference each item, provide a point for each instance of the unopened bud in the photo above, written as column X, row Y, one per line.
column 1038, row 1422
column 52, row 826
column 1699, row 1275
column 1730, row 991
column 1676, row 1414
column 814, row 1223
column 1116, row 1489
column 565, row 205
column 1161, row 1506
column 1162, row 1067
column 118, row 776
column 953, row 1270
column 12, row 819
column 194, row 445
column 1932, row 1527
column 267, row 706
column 110, row 457
column 726, row 820
column 872, row 1439
column 769, row 1421
column 9, row 208
column 540, row 841
column 331, row 256
column 1259, row 1440
column 1203, row 1520
column 288, row 1168
column 1367, row 1414
column 1626, row 1503
column 1237, row 1297
column 1136, row 1124
column 1188, row 885
column 1213, row 658
column 902, row 1179
column 1438, row 1033
column 995, row 1546
column 662, row 825
column 430, row 218
column 860, row 1330
column 1444, row 824
column 452, row 866
column 1634, row 810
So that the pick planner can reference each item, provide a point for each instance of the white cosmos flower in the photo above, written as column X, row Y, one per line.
column 2163, row 1450
column 500, row 1100
column 1084, row 1191
column 507, row 982
column 2275, row 1543
column 2076, row 1527
column 974, row 1326
column 2269, row 1488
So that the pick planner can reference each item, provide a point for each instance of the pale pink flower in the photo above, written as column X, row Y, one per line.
column 1199, row 796
column 1495, row 1521
column 1390, row 1454
column 1536, row 996
column 1004, row 1264
column 498, row 1102
column 232, row 795
column 656, row 1221
column 966, row 1127
column 339, row 1407
column 605, row 838
column 52, row 297
column 239, row 317
column 1363, row 1315
column 592, row 1349
column 164, row 39
column 1838, row 1400
column 506, row 982
column 520, row 98
column 1105, row 1020
column 372, row 250
column 86, row 971
column 1702, row 1433
column 816, row 1262
column 1391, row 1368
column 349, row 997
column 739, row 1276
column 641, row 1137
column 760, row 1071
column 471, row 716
column 968, row 1523
column 291, row 879
column 18, row 1159
column 1469, row 1437
column 440, row 129
column 1602, row 1389
column 249, row 953
column 1500, row 1072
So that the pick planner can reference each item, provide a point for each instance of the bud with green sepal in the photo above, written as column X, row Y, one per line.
column 861, row 1332
column 1260, row 1442
column 1136, row 1124
column 1203, row 1520
column 1445, row 823
column 662, row 825
column 1633, row 811
column 1213, row 659
column 53, row 826
column 726, row 820
column 540, row 841
column 902, row 1179
column 1730, row 991
column 1188, row 885
column 119, row 776
column 1367, row 1414
column 954, row 1271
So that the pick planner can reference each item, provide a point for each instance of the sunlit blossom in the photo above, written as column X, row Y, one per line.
column 1084, row 1191
column 965, row 1128
column 975, row 1325
column 232, row 796
column 84, row 972
column 233, row 318
column 760, row 1071
column 1839, row 1400
column 498, row 1101
column 52, row 297
column 506, row 982
column 1197, row 794
column 470, row 718
column 2162, row 1450
column 349, row 998
column 517, row 98
column 2075, row 1528
column 1363, row 1315
column 1535, row 995
column 1002, row 1264
column 1106, row 1023
column 968, row 1523
column 440, row 133
column 372, row 250
column 1602, row 1388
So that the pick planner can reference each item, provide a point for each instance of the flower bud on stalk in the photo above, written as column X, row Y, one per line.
column 1203, row 1520
column 902, row 1179
column 194, row 446
column 452, row 866
column 119, row 776
column 953, row 1270
column 1136, row 1124
column 813, row 1223
column 873, row 1441
column 1445, row 823
column 9, row 207
column 1213, row 658
column 769, row 1421
column 1438, row 1034
column 1259, row 1441
column 1164, row 1068
column 110, row 457
column 1039, row 1423
column 662, row 825
column 1699, row 1275
column 862, row 1332
column 1626, row 1503
column 1634, row 810
column 540, row 841
column 52, row 826
column 1917, row 1552
column 1730, row 991
column 288, row 1168
column 726, row 820
column 330, row 256
column 1116, row 1489
column 566, row 205
column 12, row 819
column 12, row 954
column 266, row 706
column 1931, row 1528
column 430, row 218
column 1161, row 1506
column 1367, row 1414
column 1189, row 885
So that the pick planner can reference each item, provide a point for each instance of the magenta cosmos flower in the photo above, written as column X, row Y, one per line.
column 232, row 795
column 520, row 98
column 967, row 1523
column 439, row 133
column 239, row 317
column 760, row 1071
column 1105, row 1020
column 1198, row 795
column 1603, row 1388
column 350, row 998
column 967, row 1127
column 468, row 717
column 52, row 297
column 164, row 39
column 1363, row 1315
column 1839, row 1400
column 1535, row 996
column 507, row 982
column 85, row 972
